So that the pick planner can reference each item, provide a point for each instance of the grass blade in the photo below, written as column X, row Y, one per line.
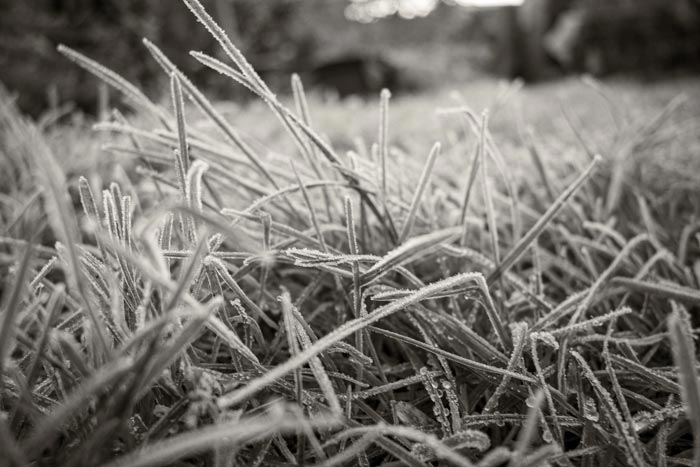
column 685, row 356
column 524, row 243
column 133, row 93
column 235, row 433
column 11, row 309
column 339, row 334
column 418, row 195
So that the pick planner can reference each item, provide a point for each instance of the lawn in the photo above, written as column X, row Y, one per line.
column 479, row 275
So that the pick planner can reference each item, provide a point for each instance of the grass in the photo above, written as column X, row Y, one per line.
column 241, row 295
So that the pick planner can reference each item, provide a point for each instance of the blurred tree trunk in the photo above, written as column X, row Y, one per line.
column 519, row 39
column 505, row 36
column 532, row 22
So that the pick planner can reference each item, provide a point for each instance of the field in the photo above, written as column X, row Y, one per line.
column 489, row 275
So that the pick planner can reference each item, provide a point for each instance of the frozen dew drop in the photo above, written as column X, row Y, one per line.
column 547, row 436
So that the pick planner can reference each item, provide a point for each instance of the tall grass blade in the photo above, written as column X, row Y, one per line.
column 524, row 243
column 418, row 195
column 182, row 154
column 48, row 428
column 472, row 172
column 339, row 334
column 235, row 433
column 685, row 356
column 528, row 431
column 209, row 110
column 319, row 371
column 486, row 193
column 11, row 308
column 383, row 143
column 63, row 222
column 133, row 93
column 465, row 362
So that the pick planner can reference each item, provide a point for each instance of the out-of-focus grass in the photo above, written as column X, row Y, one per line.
column 417, row 120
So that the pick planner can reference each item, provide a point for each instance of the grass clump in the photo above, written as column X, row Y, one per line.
column 236, row 306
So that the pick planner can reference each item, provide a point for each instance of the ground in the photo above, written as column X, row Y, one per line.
column 523, row 294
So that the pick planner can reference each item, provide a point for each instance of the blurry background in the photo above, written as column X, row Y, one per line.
column 345, row 46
